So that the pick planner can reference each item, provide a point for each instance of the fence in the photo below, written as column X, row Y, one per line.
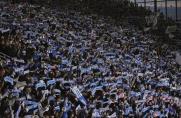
column 170, row 8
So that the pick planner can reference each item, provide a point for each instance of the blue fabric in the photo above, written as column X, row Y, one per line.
column 9, row 79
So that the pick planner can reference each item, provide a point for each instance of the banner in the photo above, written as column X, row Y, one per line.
column 178, row 58
column 151, row 20
column 170, row 30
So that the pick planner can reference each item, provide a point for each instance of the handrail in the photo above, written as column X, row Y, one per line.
column 151, row 1
column 5, row 55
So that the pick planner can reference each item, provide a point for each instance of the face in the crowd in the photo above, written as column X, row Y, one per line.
column 2, row 72
column 28, row 90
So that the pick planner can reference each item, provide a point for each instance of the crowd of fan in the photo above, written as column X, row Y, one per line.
column 8, row 42
column 118, row 69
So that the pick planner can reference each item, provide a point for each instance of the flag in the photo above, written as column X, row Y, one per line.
column 79, row 95
column 31, row 107
column 67, row 107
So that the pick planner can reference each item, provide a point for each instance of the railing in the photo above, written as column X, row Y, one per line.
column 4, row 56
column 170, row 8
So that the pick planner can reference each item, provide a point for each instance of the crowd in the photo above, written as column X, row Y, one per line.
column 84, row 66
